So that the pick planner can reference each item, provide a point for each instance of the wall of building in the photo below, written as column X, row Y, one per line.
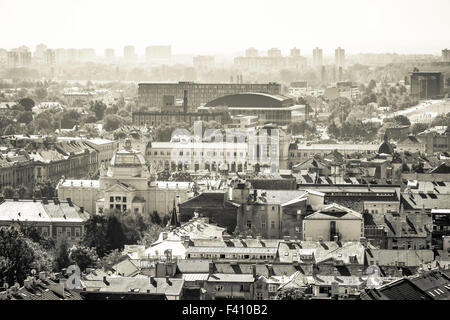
column 348, row 230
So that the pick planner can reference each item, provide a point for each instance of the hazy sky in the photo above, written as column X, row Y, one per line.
column 227, row 26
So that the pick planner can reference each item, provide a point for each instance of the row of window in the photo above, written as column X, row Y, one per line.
column 59, row 232
column 194, row 153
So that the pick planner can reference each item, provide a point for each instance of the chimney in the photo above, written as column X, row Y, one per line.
column 69, row 201
column 44, row 200
column 43, row 276
column 255, row 195
column 55, row 200
column 186, row 240
column 270, row 270
column 254, row 270
column 336, row 238
column 211, row 268
column 185, row 102
column 168, row 281
column 153, row 281
column 363, row 241
column 164, row 235
column 105, row 281
column 81, row 209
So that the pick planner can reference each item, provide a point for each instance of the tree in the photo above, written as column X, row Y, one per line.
column 112, row 258
column 418, row 128
column 155, row 218
column 8, row 192
column 151, row 235
column 27, row 103
column 95, row 234
column 291, row 294
column 402, row 120
column 46, row 189
column 18, row 256
column 372, row 85
column 34, row 235
column 62, row 259
column 25, row 117
column 111, row 122
column 98, row 107
column 41, row 93
column 163, row 175
column 84, row 257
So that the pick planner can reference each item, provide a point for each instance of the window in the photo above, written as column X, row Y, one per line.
column 249, row 224
column 58, row 231
column 45, row 231
column 77, row 232
column 324, row 289
column 272, row 288
column 263, row 225
column 124, row 199
column 68, row 232
column 111, row 199
column 259, row 296
column 219, row 288
column 272, row 224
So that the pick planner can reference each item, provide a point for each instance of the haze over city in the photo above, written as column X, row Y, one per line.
column 225, row 150
column 210, row 27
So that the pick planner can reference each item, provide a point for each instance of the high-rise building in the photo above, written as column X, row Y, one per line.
column 251, row 53
column 39, row 54
column 3, row 56
column 152, row 95
column 158, row 52
column 203, row 62
column 446, row 55
column 274, row 53
column 50, row 57
column 317, row 57
column 72, row 55
column 109, row 54
column 87, row 54
column 19, row 57
column 295, row 52
column 60, row 55
column 339, row 57
column 427, row 85
column 129, row 54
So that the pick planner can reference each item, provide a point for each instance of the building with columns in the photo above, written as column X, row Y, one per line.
column 266, row 146
column 126, row 185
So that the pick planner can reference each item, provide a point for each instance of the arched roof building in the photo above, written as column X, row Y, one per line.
column 269, row 108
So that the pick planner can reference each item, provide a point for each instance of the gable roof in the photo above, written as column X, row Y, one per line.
column 442, row 168
column 334, row 211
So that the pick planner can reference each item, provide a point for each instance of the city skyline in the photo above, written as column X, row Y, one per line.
column 357, row 27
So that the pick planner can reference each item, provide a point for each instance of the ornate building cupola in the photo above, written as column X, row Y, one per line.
column 128, row 163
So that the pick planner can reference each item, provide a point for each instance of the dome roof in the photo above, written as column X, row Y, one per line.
column 386, row 148
column 127, row 158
